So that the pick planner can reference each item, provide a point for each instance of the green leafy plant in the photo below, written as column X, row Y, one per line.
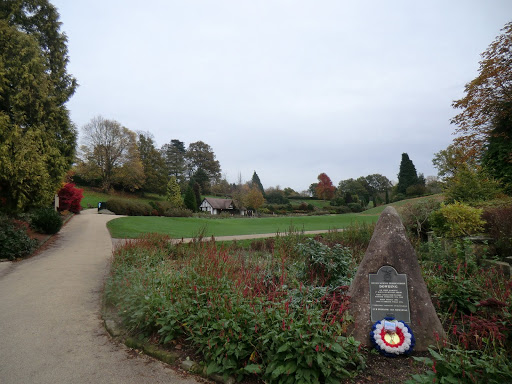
column 14, row 241
column 46, row 220
column 457, row 220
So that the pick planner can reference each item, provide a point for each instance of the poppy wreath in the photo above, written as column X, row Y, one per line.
column 392, row 343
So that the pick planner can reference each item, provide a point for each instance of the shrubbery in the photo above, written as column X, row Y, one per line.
column 70, row 198
column 246, row 314
column 128, row 207
column 457, row 220
column 46, row 220
column 14, row 241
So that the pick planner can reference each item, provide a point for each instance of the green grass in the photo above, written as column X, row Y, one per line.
column 378, row 210
column 178, row 227
column 92, row 198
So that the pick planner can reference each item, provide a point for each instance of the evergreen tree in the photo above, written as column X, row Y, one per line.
column 407, row 175
column 174, row 155
column 256, row 182
column 173, row 194
column 190, row 199
column 197, row 194
column 37, row 138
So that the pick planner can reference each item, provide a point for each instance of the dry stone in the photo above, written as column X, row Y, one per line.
column 389, row 246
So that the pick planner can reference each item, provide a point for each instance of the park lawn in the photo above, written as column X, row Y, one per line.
column 186, row 227
column 92, row 198
column 378, row 210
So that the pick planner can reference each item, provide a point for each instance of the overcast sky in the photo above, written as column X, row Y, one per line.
column 289, row 89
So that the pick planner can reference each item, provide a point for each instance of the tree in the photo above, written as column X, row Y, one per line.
column 200, row 156
column 202, row 179
column 173, row 194
column 312, row 190
column 153, row 164
column 197, row 194
column 448, row 161
column 174, row 156
column 256, row 181
column 488, row 98
column 190, row 199
column 407, row 175
column 375, row 184
column 254, row 198
column 275, row 195
column 325, row 190
column 497, row 155
column 37, row 138
column 355, row 188
column 110, row 153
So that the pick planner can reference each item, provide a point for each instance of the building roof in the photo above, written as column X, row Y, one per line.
column 221, row 203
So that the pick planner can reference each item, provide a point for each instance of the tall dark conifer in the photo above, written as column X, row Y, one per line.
column 407, row 175
column 256, row 181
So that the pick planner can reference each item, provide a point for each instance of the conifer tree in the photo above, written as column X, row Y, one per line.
column 173, row 194
column 407, row 175
column 190, row 199
column 256, row 182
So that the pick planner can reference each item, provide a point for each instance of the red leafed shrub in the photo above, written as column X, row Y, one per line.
column 70, row 198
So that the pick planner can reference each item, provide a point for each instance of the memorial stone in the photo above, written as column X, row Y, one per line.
column 391, row 252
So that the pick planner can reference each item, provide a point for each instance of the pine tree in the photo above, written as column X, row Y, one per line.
column 190, row 199
column 407, row 175
column 256, row 181
column 173, row 194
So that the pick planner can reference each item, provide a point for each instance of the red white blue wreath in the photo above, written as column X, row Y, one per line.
column 392, row 337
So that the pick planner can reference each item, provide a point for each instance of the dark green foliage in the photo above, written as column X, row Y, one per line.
column 174, row 156
column 46, row 220
column 355, row 207
column 197, row 194
column 178, row 212
column 190, row 200
column 128, row 207
column 256, row 181
column 202, row 179
column 14, row 241
column 276, row 197
column 497, row 156
column 499, row 227
column 407, row 175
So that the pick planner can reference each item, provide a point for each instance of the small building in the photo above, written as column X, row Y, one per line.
column 218, row 206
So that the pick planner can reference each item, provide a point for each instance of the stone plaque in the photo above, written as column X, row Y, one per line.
column 389, row 295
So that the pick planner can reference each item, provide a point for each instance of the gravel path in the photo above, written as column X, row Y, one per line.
column 50, row 324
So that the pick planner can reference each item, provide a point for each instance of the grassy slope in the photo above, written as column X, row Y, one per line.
column 133, row 227
column 92, row 198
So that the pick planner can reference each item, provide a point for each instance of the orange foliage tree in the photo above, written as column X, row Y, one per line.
column 324, row 190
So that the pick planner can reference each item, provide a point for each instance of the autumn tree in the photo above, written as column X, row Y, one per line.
column 37, row 138
column 254, row 198
column 173, row 193
column 324, row 190
column 110, row 154
column 488, row 97
column 407, row 176
column 153, row 164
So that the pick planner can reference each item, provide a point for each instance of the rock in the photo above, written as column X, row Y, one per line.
column 188, row 365
column 389, row 246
